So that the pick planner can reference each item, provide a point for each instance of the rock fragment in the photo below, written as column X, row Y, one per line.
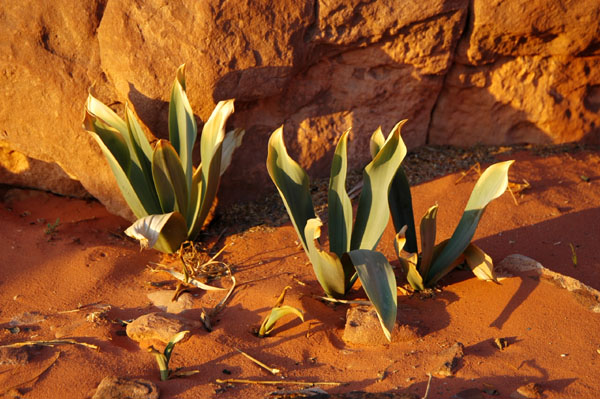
column 121, row 388
column 449, row 361
column 157, row 327
column 163, row 299
column 529, row 391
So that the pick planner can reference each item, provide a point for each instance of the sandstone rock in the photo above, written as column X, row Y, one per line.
column 163, row 299
column 316, row 67
column 49, row 57
column 588, row 296
column 543, row 28
column 363, row 328
column 124, row 388
column 449, row 360
column 17, row 169
column 523, row 99
column 157, row 327
column 528, row 391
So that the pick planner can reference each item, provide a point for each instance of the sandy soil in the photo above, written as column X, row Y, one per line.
column 554, row 338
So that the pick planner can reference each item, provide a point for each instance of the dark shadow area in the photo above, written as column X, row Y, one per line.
column 548, row 243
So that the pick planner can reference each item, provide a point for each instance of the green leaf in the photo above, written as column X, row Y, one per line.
column 233, row 139
column 373, row 210
column 492, row 184
column 409, row 266
column 292, row 183
column 175, row 339
column 400, row 201
column 138, row 136
column 113, row 132
column 182, row 125
column 111, row 138
column 99, row 110
column 277, row 313
column 339, row 205
column 327, row 267
column 428, row 232
column 377, row 278
column 480, row 263
column 164, row 232
column 169, row 178
column 211, row 145
column 413, row 277
column 128, row 191
column 377, row 141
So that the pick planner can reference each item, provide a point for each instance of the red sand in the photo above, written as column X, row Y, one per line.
column 554, row 338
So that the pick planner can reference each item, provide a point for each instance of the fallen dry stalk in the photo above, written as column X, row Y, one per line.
column 344, row 301
column 303, row 383
column 51, row 343
column 273, row 371
column 428, row 386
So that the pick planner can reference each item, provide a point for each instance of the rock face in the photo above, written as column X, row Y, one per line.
column 535, row 78
column 462, row 72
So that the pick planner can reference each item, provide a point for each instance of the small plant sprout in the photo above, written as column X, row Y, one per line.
column 279, row 310
column 435, row 261
column 163, row 358
column 352, row 246
column 51, row 227
column 171, row 198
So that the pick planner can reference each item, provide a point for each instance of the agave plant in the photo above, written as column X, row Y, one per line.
column 170, row 198
column 351, row 246
column 277, row 312
column 435, row 261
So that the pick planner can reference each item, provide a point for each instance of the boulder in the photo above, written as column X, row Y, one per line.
column 462, row 72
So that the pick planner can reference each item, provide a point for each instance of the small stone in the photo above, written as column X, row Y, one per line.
column 20, row 355
column 363, row 328
column 529, row 391
column 501, row 343
column 123, row 388
column 449, row 360
column 157, row 327
column 163, row 299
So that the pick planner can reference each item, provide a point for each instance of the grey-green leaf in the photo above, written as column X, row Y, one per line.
column 400, row 200
column 373, row 210
column 291, row 182
column 233, row 139
column 276, row 314
column 377, row 278
column 339, row 205
column 182, row 124
column 327, row 267
column 428, row 233
column 211, row 146
column 492, row 184
column 164, row 232
column 169, row 178
column 480, row 263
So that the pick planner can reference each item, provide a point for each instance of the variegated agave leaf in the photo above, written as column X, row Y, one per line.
column 491, row 185
column 164, row 232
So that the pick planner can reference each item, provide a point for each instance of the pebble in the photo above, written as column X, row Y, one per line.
column 157, row 327
column 163, row 299
column 121, row 388
column 529, row 391
column 449, row 361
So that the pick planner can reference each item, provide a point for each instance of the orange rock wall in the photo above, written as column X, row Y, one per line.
column 463, row 72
